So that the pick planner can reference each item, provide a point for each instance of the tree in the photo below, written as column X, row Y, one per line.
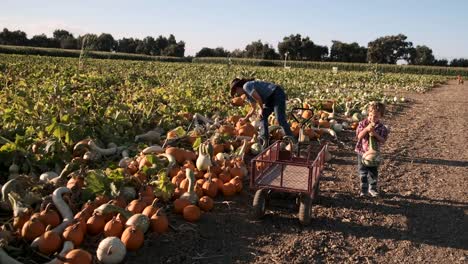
column 459, row 62
column 258, row 50
column 89, row 41
column 441, row 62
column 175, row 50
column 42, row 41
column 126, row 45
column 292, row 46
column 60, row 34
column 347, row 52
column 389, row 49
column 161, row 44
column 299, row 48
column 64, row 39
column 208, row 52
column 105, row 42
column 17, row 37
column 421, row 55
column 237, row 53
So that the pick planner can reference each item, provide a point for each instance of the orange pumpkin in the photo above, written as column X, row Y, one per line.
column 237, row 182
column 206, row 203
column 50, row 216
column 218, row 182
column 95, row 224
column 225, row 176
column 113, row 228
column 151, row 209
column 74, row 234
column 180, row 204
column 210, row 188
column 237, row 101
column 49, row 242
column 78, row 256
column 192, row 213
column 229, row 189
column 32, row 229
column 159, row 222
column 132, row 238
column 136, row 206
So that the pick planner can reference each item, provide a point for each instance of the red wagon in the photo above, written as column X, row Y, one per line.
column 277, row 169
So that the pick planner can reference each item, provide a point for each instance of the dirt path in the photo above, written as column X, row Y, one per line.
column 421, row 216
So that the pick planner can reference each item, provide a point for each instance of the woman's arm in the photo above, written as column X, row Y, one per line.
column 258, row 100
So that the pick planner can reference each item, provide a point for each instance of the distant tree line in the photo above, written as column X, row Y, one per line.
column 160, row 46
column 384, row 50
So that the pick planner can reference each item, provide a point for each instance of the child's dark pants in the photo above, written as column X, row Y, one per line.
column 368, row 176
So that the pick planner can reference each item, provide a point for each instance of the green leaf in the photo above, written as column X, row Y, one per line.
column 97, row 182
column 197, row 143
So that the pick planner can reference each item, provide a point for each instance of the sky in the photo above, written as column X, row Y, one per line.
column 440, row 25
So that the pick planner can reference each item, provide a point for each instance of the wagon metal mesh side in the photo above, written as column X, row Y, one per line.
column 284, row 171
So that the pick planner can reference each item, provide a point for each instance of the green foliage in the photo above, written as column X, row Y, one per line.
column 389, row 49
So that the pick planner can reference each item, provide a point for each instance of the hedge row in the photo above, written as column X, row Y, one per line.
column 92, row 54
column 342, row 66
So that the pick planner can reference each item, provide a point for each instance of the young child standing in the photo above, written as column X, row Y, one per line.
column 371, row 126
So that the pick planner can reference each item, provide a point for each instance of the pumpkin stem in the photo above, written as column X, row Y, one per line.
column 109, row 252
column 155, row 201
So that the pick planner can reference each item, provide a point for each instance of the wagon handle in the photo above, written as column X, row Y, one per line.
column 304, row 121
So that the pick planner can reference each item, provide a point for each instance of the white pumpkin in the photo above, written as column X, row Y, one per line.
column 111, row 250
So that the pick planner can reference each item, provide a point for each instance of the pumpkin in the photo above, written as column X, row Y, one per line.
column 210, row 188
column 177, row 180
column 225, row 176
column 81, row 218
column 371, row 158
column 75, row 182
column 218, row 182
column 101, row 199
column 119, row 201
column 74, row 234
column 236, row 171
column 32, row 229
column 132, row 238
column 140, row 221
column 324, row 123
column 111, row 250
column 20, row 219
column 237, row 101
column 184, row 184
column 177, row 193
column 206, row 203
column 95, row 224
column 229, row 189
column 246, row 130
column 191, row 213
column 136, row 206
column 226, row 130
column 218, row 148
column 151, row 209
column 78, row 256
column 190, row 155
column 49, row 242
column 178, row 154
column 237, row 182
column 159, row 222
column 180, row 204
column 113, row 228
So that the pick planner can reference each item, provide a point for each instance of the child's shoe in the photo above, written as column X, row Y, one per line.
column 373, row 193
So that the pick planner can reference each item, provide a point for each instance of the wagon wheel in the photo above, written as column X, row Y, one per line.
column 304, row 209
column 259, row 203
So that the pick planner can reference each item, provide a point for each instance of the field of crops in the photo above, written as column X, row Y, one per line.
column 54, row 111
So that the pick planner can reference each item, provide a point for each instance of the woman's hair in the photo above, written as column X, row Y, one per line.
column 376, row 107
column 238, row 82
